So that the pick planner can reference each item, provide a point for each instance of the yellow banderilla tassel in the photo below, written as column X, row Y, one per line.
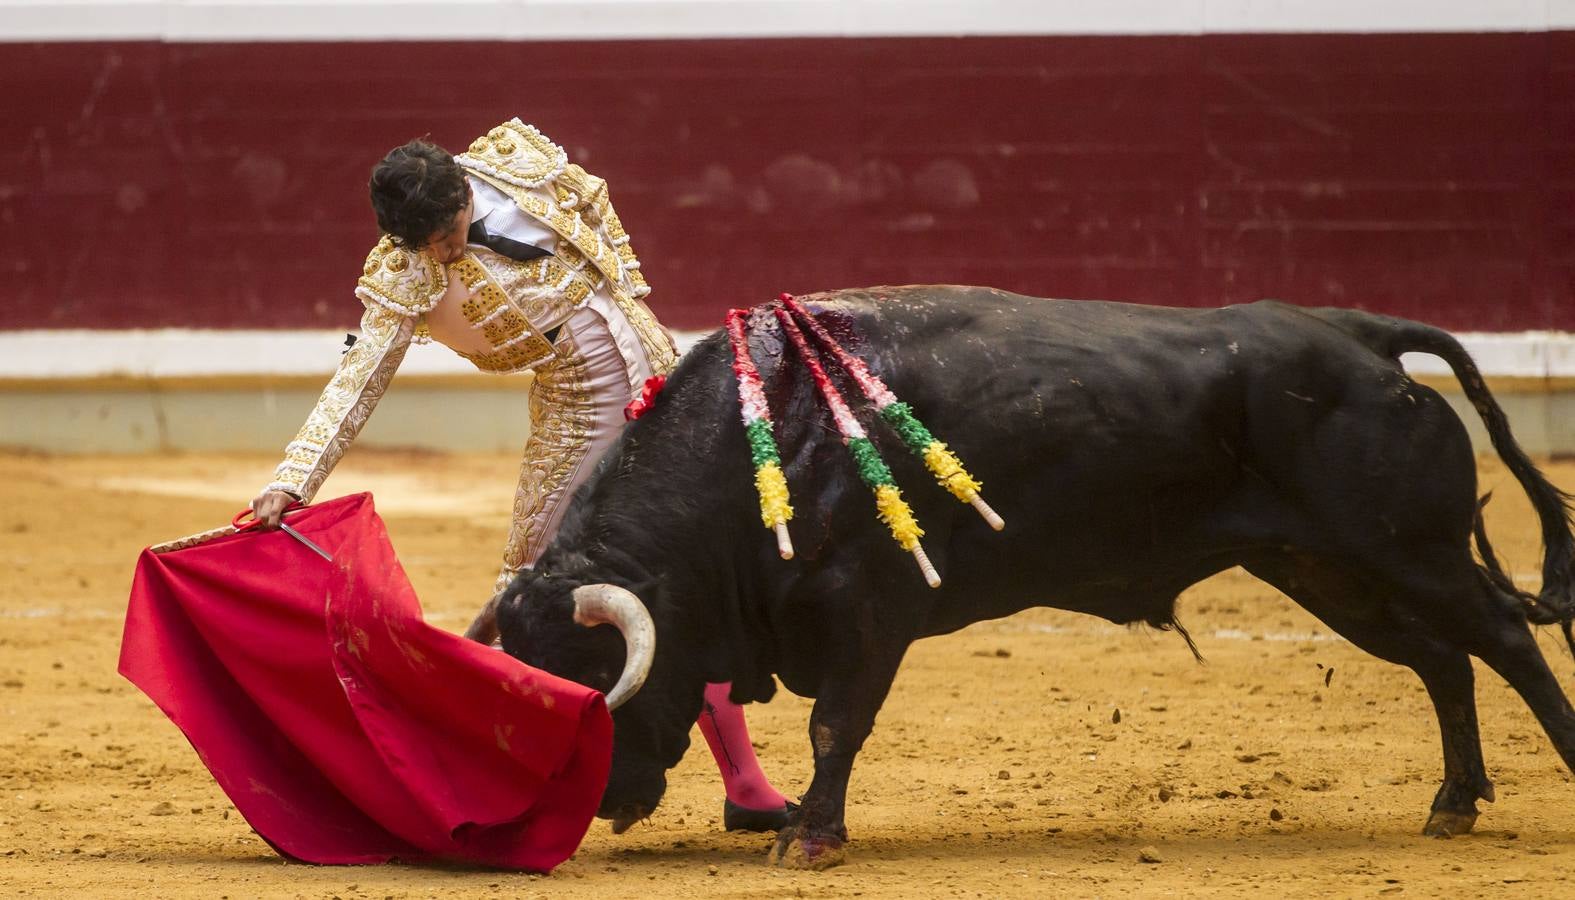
column 772, row 485
column 949, row 471
column 894, row 511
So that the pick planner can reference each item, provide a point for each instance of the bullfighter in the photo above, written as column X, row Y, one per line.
column 514, row 258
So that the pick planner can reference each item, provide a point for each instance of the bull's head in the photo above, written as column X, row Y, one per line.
column 601, row 636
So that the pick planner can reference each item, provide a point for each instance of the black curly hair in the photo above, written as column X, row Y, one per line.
column 417, row 189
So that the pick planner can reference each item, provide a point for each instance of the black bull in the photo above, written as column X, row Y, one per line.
column 1132, row 451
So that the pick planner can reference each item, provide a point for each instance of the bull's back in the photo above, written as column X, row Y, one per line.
column 1070, row 378
column 1112, row 436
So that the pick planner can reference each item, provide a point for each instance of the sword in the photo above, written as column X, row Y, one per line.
column 305, row 540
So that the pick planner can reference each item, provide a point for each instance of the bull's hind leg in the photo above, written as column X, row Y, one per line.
column 1461, row 607
column 1500, row 637
column 1363, row 615
column 1491, row 625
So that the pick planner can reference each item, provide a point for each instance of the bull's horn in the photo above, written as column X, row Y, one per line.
column 606, row 604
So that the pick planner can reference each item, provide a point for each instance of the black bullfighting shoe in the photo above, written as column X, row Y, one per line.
column 742, row 818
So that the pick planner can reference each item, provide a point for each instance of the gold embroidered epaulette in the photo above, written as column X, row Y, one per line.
column 401, row 280
column 516, row 153
column 578, row 189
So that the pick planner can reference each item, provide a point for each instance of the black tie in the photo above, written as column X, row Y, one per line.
column 497, row 243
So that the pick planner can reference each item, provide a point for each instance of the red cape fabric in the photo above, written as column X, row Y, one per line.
column 343, row 727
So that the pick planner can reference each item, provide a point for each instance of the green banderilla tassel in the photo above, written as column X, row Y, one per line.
column 872, row 469
column 762, row 446
column 900, row 417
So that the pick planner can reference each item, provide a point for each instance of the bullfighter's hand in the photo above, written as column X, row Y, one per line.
column 269, row 507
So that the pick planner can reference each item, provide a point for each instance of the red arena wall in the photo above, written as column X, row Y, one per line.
column 223, row 184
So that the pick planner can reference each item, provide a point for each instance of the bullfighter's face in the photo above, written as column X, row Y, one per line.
column 650, row 731
column 447, row 244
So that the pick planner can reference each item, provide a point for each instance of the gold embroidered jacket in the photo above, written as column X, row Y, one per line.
column 512, row 304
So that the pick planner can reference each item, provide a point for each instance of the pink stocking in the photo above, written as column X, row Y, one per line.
column 722, row 723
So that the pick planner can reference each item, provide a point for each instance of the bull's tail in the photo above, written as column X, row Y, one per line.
column 1555, row 604
column 1536, row 610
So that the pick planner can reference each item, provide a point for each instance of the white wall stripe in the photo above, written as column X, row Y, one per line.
column 179, row 353
column 371, row 20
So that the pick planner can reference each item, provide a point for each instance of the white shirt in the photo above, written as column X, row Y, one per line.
column 503, row 217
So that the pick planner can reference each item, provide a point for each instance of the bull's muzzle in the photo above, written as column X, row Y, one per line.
column 626, row 817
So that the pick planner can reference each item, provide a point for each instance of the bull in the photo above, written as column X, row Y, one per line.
column 1134, row 451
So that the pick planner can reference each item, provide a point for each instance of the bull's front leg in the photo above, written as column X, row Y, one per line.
column 843, row 716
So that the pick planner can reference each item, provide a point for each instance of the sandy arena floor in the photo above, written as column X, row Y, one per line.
column 997, row 767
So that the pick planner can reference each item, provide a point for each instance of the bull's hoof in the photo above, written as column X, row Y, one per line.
column 1448, row 823
column 795, row 850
